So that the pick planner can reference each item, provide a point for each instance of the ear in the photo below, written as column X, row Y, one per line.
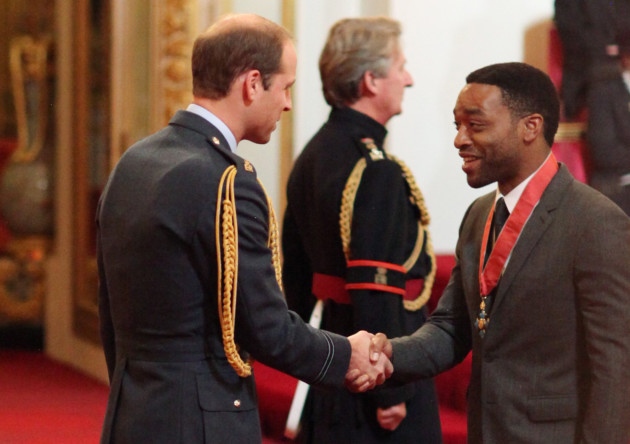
column 252, row 84
column 369, row 83
column 532, row 127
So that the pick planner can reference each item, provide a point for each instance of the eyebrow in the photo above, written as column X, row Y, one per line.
column 470, row 111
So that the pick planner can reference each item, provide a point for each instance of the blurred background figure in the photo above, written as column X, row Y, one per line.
column 609, row 128
column 355, row 235
column 588, row 31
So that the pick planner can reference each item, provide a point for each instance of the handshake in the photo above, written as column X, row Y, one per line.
column 370, row 363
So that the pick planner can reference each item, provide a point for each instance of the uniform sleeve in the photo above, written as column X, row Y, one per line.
column 375, row 276
column 264, row 326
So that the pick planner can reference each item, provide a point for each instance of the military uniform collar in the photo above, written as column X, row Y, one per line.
column 216, row 122
column 362, row 124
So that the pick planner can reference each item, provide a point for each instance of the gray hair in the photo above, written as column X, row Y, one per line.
column 355, row 46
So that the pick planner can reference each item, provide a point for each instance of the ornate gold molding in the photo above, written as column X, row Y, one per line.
column 570, row 132
column 29, row 75
column 22, row 279
column 175, row 30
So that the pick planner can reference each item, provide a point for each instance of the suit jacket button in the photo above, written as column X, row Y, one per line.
column 237, row 403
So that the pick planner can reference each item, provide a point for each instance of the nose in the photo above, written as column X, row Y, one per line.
column 288, row 103
column 461, row 138
column 408, row 80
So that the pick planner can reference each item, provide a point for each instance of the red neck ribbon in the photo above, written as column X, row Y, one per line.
column 490, row 274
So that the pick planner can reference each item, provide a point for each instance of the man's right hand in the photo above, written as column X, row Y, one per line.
column 379, row 344
column 368, row 366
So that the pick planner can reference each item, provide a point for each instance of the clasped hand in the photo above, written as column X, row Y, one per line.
column 369, row 364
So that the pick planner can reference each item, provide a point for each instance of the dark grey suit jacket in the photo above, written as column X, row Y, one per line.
column 170, row 380
column 554, row 364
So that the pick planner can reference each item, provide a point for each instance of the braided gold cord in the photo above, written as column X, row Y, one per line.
column 347, row 205
column 417, row 195
column 273, row 240
column 345, row 226
column 425, row 219
column 227, row 263
column 429, row 279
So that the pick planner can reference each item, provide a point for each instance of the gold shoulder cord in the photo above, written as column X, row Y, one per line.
column 345, row 222
column 272, row 241
column 227, row 264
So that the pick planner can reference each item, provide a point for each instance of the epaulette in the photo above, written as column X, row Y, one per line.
column 231, row 157
column 372, row 150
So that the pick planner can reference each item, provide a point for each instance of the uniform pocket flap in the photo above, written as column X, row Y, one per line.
column 221, row 396
column 552, row 408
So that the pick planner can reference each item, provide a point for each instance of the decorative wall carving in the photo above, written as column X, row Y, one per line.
column 26, row 185
column 27, row 150
column 175, row 22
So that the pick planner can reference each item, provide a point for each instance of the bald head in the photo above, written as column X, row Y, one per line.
column 233, row 45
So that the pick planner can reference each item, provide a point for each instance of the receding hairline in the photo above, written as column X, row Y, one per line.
column 232, row 21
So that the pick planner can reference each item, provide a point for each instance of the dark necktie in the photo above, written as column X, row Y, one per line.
column 501, row 214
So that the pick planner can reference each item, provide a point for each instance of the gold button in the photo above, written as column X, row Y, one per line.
column 237, row 403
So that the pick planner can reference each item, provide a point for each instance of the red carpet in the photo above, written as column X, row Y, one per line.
column 45, row 402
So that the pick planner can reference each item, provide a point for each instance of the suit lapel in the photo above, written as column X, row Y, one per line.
column 538, row 223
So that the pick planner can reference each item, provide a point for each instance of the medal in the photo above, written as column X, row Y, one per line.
column 482, row 318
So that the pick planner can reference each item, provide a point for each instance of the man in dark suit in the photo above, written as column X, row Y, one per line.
column 548, row 315
column 186, row 258
column 355, row 234
column 608, row 131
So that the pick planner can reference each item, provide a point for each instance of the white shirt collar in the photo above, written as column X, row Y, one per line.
column 214, row 120
column 511, row 198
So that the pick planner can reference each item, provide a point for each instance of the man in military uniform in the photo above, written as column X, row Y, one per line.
column 355, row 234
column 184, row 227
